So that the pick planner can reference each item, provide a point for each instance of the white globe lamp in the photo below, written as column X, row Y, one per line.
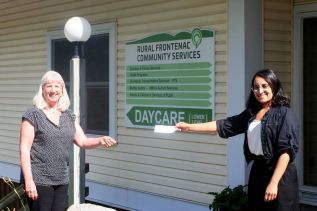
column 77, row 29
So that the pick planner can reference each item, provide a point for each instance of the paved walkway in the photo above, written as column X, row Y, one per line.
column 88, row 207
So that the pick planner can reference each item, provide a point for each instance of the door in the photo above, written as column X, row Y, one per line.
column 305, row 100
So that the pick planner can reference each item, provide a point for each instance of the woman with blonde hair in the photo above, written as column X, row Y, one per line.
column 47, row 131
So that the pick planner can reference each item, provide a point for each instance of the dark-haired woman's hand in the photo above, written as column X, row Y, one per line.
column 271, row 192
column 182, row 126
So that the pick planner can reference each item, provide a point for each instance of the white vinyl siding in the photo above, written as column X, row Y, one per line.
column 299, row 2
column 278, row 39
column 186, row 166
column 183, row 166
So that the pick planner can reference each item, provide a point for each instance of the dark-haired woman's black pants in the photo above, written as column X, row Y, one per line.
column 287, row 196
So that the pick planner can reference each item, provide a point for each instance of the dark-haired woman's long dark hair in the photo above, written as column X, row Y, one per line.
column 279, row 97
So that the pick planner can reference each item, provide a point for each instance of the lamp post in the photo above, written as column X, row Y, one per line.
column 77, row 30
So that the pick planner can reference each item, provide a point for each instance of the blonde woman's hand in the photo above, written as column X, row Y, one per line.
column 30, row 190
column 107, row 141
column 182, row 126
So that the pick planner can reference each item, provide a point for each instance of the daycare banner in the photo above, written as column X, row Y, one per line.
column 170, row 78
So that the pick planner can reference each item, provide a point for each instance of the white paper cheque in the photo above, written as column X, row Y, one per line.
column 164, row 129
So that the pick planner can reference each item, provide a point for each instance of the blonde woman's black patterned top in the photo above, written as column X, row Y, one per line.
column 50, row 148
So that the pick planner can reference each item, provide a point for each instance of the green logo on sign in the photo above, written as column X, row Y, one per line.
column 197, row 37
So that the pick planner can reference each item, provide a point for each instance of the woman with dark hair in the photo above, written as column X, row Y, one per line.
column 271, row 141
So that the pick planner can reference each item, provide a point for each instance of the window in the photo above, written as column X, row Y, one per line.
column 310, row 100
column 98, row 53
column 304, row 99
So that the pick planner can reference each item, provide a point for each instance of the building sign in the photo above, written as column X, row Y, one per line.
column 170, row 78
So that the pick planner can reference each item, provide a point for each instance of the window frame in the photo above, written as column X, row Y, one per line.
column 308, row 194
column 109, row 28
